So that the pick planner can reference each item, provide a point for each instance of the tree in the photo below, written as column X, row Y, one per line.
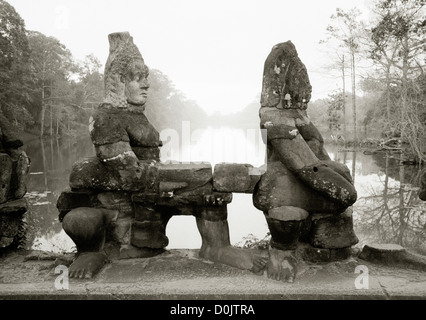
column 335, row 110
column 51, row 67
column 398, row 48
column 167, row 107
column 89, row 90
column 347, row 30
column 14, row 54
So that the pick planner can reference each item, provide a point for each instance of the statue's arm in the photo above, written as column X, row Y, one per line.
column 315, row 141
column 295, row 153
column 117, row 154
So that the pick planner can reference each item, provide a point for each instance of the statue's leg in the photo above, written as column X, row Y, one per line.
column 284, row 224
column 213, row 226
column 149, row 227
column 87, row 227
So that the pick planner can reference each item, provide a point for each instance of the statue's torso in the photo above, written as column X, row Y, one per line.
column 112, row 125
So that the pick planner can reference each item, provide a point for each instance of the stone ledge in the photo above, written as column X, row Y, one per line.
column 234, row 177
column 181, row 275
column 393, row 255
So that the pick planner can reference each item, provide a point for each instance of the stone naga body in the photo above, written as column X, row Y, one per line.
column 300, row 178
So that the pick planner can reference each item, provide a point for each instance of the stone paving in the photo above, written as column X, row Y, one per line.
column 181, row 275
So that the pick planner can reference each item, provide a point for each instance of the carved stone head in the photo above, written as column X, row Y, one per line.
column 285, row 79
column 126, row 75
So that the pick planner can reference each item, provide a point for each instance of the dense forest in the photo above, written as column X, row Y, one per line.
column 44, row 91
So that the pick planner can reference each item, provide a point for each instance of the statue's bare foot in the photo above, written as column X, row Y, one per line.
column 282, row 265
column 87, row 265
column 246, row 259
column 260, row 261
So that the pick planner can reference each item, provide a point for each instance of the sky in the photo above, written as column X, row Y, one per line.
column 212, row 50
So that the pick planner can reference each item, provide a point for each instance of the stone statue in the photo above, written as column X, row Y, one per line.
column 126, row 195
column 14, row 164
column 301, row 183
column 121, row 200
column 126, row 145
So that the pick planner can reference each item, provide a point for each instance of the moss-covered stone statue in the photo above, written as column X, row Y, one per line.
column 127, row 147
column 125, row 193
column 303, row 192
column 14, row 167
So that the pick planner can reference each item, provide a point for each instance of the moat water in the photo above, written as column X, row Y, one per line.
column 388, row 209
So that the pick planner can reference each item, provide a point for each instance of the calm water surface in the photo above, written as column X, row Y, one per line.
column 387, row 210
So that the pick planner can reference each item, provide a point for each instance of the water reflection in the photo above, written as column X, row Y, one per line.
column 387, row 210
column 51, row 162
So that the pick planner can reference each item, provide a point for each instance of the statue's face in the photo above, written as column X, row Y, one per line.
column 136, row 84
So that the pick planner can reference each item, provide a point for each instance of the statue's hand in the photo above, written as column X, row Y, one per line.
column 324, row 179
column 333, row 182
column 340, row 168
column 138, row 175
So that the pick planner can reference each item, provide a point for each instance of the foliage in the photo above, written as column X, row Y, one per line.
column 167, row 107
column 346, row 31
column 252, row 242
column 398, row 50
column 334, row 110
column 390, row 53
column 14, row 54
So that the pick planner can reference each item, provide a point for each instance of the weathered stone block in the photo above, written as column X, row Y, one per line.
column 198, row 196
column 194, row 174
column 333, row 231
column 90, row 173
column 234, row 177
column 93, row 174
column 11, row 214
column 167, row 189
column 393, row 255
